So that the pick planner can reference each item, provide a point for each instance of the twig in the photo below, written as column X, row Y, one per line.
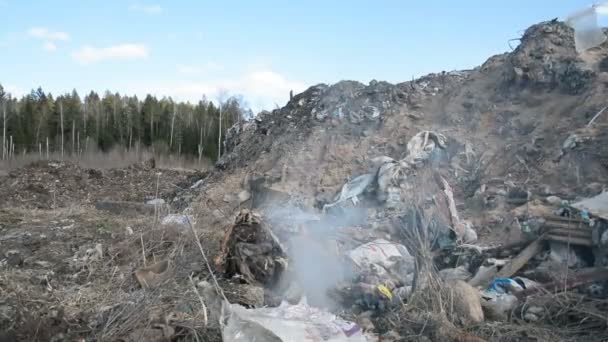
column 205, row 317
column 596, row 115
column 218, row 289
column 143, row 248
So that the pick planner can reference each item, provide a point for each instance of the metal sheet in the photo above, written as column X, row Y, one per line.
column 597, row 206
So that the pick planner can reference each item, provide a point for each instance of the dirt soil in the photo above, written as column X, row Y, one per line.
column 68, row 269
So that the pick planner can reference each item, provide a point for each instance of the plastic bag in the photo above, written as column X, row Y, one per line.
column 287, row 323
column 379, row 252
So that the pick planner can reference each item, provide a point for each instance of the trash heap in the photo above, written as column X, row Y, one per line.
column 389, row 201
column 377, row 270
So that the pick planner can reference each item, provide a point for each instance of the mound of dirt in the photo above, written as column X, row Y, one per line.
column 506, row 122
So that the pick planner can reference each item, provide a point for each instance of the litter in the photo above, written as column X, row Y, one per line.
column 423, row 144
column 153, row 275
column 287, row 323
column 352, row 189
column 156, row 201
column 379, row 252
column 597, row 205
column 197, row 184
column 175, row 219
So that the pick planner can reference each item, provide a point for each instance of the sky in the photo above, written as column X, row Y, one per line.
column 259, row 49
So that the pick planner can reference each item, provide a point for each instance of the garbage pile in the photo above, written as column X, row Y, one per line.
column 463, row 185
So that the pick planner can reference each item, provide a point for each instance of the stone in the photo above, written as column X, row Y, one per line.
column 244, row 196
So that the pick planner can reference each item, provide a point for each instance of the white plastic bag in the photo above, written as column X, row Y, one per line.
column 379, row 252
column 287, row 323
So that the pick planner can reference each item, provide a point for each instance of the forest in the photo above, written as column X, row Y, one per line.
column 68, row 124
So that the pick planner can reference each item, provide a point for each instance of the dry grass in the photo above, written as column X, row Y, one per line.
column 116, row 158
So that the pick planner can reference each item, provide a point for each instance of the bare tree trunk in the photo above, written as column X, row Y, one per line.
column 40, row 150
column 47, row 147
column 78, row 144
column 73, row 137
column 39, row 126
column 172, row 124
column 84, row 116
column 4, row 132
column 151, row 127
column 219, row 140
column 200, row 145
column 10, row 148
column 61, row 115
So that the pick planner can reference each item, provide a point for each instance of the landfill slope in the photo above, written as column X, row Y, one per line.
column 506, row 122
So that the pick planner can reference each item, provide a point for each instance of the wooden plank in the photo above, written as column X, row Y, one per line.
column 570, row 232
column 570, row 239
column 521, row 259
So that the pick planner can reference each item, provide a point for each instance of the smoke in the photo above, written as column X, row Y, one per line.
column 315, row 264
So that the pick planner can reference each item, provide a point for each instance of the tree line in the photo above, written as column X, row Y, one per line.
column 41, row 123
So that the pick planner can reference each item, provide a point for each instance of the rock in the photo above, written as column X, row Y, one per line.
column 554, row 200
column 244, row 196
column 466, row 302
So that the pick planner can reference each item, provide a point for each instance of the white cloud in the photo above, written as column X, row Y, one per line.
column 49, row 46
column 48, row 35
column 196, row 70
column 262, row 89
column 90, row 55
column 148, row 9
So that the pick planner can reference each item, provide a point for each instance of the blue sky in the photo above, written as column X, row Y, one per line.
column 260, row 49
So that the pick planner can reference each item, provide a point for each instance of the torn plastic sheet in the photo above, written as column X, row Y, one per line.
column 378, row 252
column 423, row 144
column 353, row 189
column 286, row 323
column 175, row 219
